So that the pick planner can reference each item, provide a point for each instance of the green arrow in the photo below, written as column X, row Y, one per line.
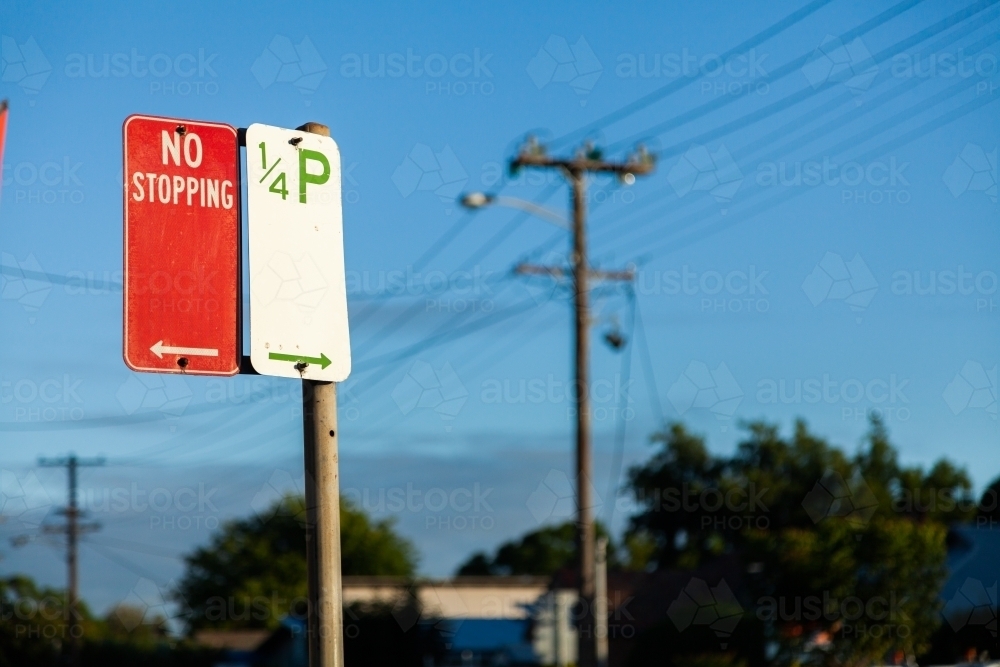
column 322, row 359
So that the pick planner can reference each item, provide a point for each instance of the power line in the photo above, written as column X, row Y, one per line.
column 667, row 90
column 514, row 342
column 887, row 124
column 505, row 231
column 650, row 378
column 809, row 92
column 435, row 248
column 647, row 372
column 781, row 72
column 679, row 84
column 769, row 140
column 484, row 249
column 790, row 193
column 444, row 337
column 785, row 130
column 121, row 562
column 710, row 212
column 614, row 479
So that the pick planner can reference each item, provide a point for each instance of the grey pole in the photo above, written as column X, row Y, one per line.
column 325, row 629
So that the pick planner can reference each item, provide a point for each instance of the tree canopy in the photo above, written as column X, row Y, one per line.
column 35, row 628
column 819, row 532
column 989, row 506
column 253, row 572
column 541, row 552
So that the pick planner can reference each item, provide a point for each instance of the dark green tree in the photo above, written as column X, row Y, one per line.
column 253, row 572
column 815, row 527
column 34, row 625
column 680, row 470
column 541, row 552
column 988, row 514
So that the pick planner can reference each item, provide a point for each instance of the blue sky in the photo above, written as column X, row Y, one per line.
column 823, row 216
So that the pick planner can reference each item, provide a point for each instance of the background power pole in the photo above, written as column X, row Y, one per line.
column 601, row 606
column 576, row 170
column 73, row 529
column 325, row 626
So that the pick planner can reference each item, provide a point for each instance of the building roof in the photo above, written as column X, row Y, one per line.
column 232, row 640
column 455, row 582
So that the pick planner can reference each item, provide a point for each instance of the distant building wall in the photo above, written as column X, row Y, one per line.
column 461, row 597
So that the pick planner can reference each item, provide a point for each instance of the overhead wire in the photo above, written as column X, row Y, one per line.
column 432, row 250
column 679, row 84
column 656, row 406
column 790, row 193
column 462, row 364
column 788, row 129
column 790, row 67
column 708, row 212
column 922, row 35
column 621, row 417
column 484, row 249
column 664, row 92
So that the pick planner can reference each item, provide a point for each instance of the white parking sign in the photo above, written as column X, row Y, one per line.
column 298, row 293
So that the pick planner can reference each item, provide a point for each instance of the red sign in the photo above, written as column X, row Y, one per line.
column 182, row 246
column 3, row 130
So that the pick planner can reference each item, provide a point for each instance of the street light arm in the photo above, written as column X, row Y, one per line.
column 474, row 200
column 536, row 209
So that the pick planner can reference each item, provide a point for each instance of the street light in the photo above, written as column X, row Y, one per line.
column 477, row 200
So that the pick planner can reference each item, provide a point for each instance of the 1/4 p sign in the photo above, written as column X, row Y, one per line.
column 298, row 294
column 182, row 246
column 320, row 174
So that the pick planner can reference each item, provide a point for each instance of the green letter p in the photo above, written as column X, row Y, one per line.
column 304, row 175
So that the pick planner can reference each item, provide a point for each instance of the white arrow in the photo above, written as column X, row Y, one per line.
column 159, row 348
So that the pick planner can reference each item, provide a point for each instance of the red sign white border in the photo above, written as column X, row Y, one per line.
column 238, row 189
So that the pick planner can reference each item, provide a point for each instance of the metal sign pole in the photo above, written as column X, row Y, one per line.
column 319, row 435
column 319, row 430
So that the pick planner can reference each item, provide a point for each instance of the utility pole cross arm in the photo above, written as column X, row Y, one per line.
column 524, row 269
column 583, row 164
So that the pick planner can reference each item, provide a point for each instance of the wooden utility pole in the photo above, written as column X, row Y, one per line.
column 72, row 530
column 325, row 623
column 601, row 599
column 576, row 170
